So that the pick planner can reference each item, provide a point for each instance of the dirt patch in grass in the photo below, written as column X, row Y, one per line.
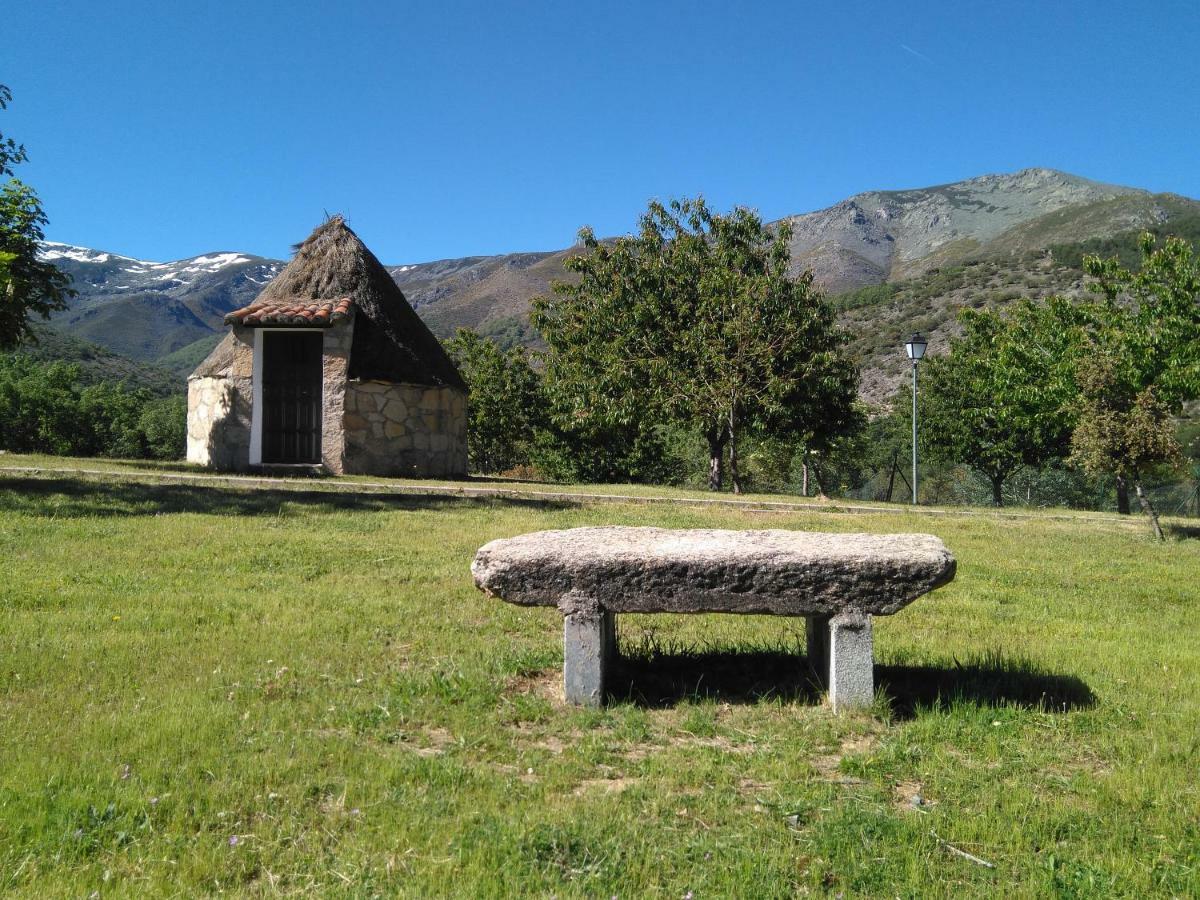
column 639, row 752
column 527, row 736
column 750, row 786
column 603, row 786
column 910, row 795
column 545, row 683
column 828, row 765
column 434, row 742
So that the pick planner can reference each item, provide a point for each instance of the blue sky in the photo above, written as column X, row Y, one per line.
column 162, row 130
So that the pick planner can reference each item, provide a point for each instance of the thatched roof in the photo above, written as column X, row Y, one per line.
column 391, row 343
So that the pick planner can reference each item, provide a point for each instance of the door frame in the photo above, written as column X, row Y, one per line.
column 256, row 390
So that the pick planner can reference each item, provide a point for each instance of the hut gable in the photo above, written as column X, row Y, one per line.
column 391, row 343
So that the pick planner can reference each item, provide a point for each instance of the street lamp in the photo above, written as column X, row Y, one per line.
column 915, row 348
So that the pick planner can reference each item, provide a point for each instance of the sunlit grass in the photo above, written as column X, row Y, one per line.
column 211, row 689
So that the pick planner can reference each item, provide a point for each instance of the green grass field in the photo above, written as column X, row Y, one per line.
column 210, row 689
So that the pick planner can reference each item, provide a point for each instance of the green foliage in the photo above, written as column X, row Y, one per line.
column 871, row 295
column 44, row 408
column 505, row 404
column 1150, row 319
column 27, row 284
column 163, row 424
column 1125, row 247
column 1123, row 427
column 97, row 364
column 592, row 452
column 694, row 321
column 1000, row 399
column 508, row 332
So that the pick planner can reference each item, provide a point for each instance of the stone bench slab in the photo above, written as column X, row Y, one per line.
column 782, row 573
column 837, row 581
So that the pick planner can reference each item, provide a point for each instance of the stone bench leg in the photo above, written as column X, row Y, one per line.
column 851, row 662
column 816, row 629
column 841, row 653
column 589, row 644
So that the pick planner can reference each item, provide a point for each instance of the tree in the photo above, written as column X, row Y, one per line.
column 695, row 320
column 1142, row 362
column 505, row 404
column 1124, row 427
column 1151, row 317
column 1001, row 398
column 28, row 285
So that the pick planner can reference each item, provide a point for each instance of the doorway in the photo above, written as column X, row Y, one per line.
column 291, row 397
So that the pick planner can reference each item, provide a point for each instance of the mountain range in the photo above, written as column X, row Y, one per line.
column 891, row 261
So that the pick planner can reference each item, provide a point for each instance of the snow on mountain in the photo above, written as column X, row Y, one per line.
column 52, row 250
column 146, row 309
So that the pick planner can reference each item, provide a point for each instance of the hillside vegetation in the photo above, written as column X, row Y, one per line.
column 914, row 239
column 99, row 364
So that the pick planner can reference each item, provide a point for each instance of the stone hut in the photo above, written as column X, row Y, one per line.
column 330, row 367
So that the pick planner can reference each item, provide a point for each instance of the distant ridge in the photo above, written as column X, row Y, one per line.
column 902, row 244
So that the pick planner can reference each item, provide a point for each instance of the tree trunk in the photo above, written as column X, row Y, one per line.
column 734, row 475
column 1122, row 495
column 804, row 481
column 997, row 490
column 716, row 451
column 892, row 476
column 1148, row 509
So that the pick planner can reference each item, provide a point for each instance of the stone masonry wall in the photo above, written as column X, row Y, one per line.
column 220, row 409
column 335, row 361
column 405, row 429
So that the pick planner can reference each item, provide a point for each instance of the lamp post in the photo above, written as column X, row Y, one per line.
column 915, row 348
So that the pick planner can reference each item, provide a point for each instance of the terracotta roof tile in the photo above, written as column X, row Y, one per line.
column 302, row 311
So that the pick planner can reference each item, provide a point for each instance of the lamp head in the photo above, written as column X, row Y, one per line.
column 915, row 346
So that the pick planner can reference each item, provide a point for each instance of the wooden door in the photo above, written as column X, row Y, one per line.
column 291, row 397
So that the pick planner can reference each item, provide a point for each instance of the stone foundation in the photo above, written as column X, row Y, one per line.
column 405, row 429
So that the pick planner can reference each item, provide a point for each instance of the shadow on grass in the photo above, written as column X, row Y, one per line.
column 649, row 676
column 315, row 474
column 79, row 497
column 1183, row 532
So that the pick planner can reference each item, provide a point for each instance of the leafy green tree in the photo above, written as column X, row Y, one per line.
column 1124, row 428
column 113, row 414
column 163, row 427
column 587, row 451
column 1151, row 317
column 28, row 285
column 1142, row 362
column 1001, row 398
column 696, row 320
column 39, row 407
column 45, row 409
column 505, row 405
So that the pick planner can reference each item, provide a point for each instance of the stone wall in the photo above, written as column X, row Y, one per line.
column 220, row 406
column 335, row 361
column 405, row 429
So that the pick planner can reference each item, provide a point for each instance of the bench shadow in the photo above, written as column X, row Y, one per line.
column 71, row 497
column 655, row 679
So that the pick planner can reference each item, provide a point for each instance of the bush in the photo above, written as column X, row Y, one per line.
column 45, row 409
column 163, row 425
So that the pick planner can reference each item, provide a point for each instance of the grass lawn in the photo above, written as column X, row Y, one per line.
column 212, row 689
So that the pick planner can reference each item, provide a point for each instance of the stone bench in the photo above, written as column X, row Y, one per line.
column 836, row 581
